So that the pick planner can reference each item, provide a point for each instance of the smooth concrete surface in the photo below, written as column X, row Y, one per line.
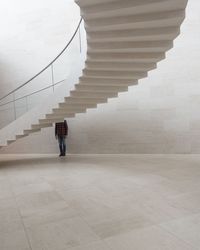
column 93, row 202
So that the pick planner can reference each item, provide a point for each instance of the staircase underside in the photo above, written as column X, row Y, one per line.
column 125, row 39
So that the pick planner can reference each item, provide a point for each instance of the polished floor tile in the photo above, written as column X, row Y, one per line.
column 99, row 202
column 61, row 235
column 118, row 226
column 46, row 215
column 97, row 245
column 35, row 202
column 152, row 238
column 5, row 189
column 186, row 229
column 10, row 220
column 15, row 240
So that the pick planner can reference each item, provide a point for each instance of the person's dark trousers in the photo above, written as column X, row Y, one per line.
column 62, row 145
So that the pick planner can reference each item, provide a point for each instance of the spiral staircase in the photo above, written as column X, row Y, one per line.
column 125, row 40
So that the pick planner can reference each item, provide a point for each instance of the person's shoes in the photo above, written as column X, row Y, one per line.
column 60, row 155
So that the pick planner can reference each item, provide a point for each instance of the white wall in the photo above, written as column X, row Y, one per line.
column 32, row 33
column 160, row 115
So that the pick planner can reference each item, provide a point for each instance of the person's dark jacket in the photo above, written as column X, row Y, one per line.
column 61, row 129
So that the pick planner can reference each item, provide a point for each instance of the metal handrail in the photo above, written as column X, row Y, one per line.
column 35, row 92
column 13, row 91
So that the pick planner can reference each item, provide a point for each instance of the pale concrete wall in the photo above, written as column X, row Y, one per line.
column 32, row 33
column 160, row 115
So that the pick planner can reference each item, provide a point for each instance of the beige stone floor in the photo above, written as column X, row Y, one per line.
column 100, row 202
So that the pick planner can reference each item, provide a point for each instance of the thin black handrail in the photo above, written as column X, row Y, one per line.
column 11, row 92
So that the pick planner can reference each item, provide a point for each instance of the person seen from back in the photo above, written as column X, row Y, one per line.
column 61, row 132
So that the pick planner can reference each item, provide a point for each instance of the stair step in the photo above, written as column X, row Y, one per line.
column 151, row 34
column 39, row 126
column 61, row 115
column 85, row 100
column 30, row 131
column 68, row 110
column 81, row 105
column 119, row 66
column 107, row 84
column 107, row 5
column 110, row 73
column 149, row 20
column 87, row 94
column 45, row 121
column 126, row 57
column 10, row 141
column 114, row 46
column 90, row 2
column 106, row 81
column 108, row 9
column 107, row 76
column 102, row 88
column 64, row 112
column 21, row 136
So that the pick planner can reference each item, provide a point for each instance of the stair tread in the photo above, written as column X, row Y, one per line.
column 127, row 7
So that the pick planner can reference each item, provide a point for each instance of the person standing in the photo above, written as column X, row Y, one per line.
column 61, row 132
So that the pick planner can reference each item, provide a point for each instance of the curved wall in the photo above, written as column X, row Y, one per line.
column 160, row 115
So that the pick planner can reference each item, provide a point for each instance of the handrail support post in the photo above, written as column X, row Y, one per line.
column 52, row 77
column 14, row 106
column 26, row 103
column 80, row 41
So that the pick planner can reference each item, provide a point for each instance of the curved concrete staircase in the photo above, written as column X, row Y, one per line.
column 126, row 39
